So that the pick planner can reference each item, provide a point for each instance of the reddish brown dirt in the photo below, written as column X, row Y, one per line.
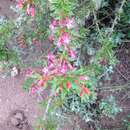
column 122, row 71
column 120, row 78
column 5, row 8
column 12, row 97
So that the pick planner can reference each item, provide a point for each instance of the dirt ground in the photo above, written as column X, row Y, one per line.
column 5, row 8
column 119, row 78
column 12, row 98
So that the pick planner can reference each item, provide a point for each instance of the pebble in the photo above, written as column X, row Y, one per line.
column 14, row 121
column 19, row 116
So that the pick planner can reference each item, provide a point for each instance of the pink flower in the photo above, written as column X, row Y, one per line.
column 51, row 58
column 55, row 71
column 20, row 4
column 33, row 10
column 52, row 27
column 70, row 67
column 70, row 23
column 51, row 38
column 66, row 38
column 45, row 70
column 84, row 78
column 72, row 53
column 63, row 39
column 62, row 22
column 63, row 68
column 53, row 24
column 60, row 41
column 40, row 82
column 28, row 10
column 34, row 89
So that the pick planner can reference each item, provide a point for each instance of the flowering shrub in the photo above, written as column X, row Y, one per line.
column 60, row 72
column 69, row 81
column 28, row 5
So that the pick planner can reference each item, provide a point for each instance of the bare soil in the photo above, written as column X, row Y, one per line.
column 120, row 78
column 12, row 98
column 5, row 8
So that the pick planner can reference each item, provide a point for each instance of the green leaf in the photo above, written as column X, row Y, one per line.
column 28, row 83
column 74, row 86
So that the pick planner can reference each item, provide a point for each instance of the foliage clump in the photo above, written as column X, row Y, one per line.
column 83, row 35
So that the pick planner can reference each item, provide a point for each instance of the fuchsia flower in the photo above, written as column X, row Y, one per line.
column 72, row 54
column 45, row 70
column 66, row 38
column 70, row 23
column 84, row 78
column 28, row 10
column 33, row 10
column 51, row 59
column 60, row 42
column 70, row 67
column 62, row 22
column 40, row 82
column 53, row 25
column 20, row 4
column 34, row 89
column 51, row 38
column 63, row 39
column 63, row 68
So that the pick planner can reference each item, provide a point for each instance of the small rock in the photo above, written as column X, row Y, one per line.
column 18, row 120
column 14, row 121
column 14, row 72
column 19, row 116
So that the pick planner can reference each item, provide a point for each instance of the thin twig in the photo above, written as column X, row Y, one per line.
column 126, row 108
column 47, row 108
column 122, row 75
column 115, row 87
column 116, row 18
column 97, row 25
column 127, row 94
column 100, row 20
column 126, row 41
column 80, row 5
